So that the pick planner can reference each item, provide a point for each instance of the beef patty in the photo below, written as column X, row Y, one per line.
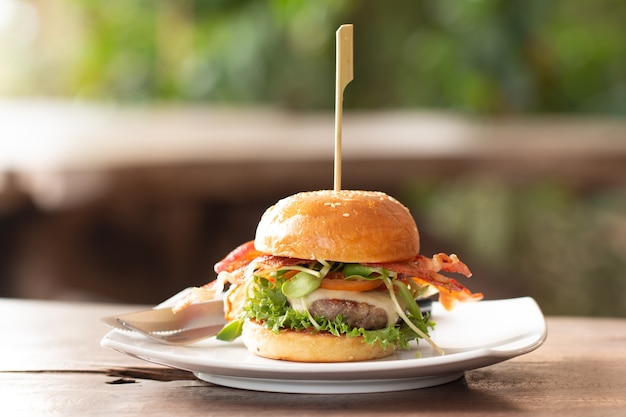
column 356, row 314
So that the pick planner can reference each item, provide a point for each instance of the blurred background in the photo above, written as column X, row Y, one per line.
column 141, row 140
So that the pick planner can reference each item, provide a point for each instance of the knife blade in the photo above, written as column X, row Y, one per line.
column 164, row 319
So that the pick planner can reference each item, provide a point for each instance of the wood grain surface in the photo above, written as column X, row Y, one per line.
column 51, row 364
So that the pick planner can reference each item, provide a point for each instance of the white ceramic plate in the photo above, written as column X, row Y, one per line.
column 472, row 335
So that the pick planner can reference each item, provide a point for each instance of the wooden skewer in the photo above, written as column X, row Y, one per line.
column 344, row 74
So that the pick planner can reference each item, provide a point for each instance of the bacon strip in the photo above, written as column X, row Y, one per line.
column 421, row 269
column 274, row 262
column 444, row 262
column 245, row 254
column 426, row 272
column 239, row 257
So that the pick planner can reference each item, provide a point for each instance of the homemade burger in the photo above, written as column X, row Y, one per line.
column 332, row 276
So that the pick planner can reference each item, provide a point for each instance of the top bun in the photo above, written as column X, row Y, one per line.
column 343, row 226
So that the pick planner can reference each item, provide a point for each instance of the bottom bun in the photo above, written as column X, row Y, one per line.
column 297, row 346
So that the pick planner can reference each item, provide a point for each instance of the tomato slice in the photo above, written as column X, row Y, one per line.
column 336, row 281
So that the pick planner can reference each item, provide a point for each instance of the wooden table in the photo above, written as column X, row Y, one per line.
column 51, row 363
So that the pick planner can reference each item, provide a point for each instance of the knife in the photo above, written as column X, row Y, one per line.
column 164, row 319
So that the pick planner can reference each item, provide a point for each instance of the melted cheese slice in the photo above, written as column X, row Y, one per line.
column 376, row 298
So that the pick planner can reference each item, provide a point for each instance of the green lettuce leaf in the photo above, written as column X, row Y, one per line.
column 270, row 306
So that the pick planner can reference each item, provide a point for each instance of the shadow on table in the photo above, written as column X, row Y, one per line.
column 451, row 397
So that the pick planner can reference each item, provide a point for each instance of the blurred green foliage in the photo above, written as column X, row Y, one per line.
column 564, row 247
column 486, row 57
column 483, row 57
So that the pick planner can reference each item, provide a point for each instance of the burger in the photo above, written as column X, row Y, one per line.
column 333, row 276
